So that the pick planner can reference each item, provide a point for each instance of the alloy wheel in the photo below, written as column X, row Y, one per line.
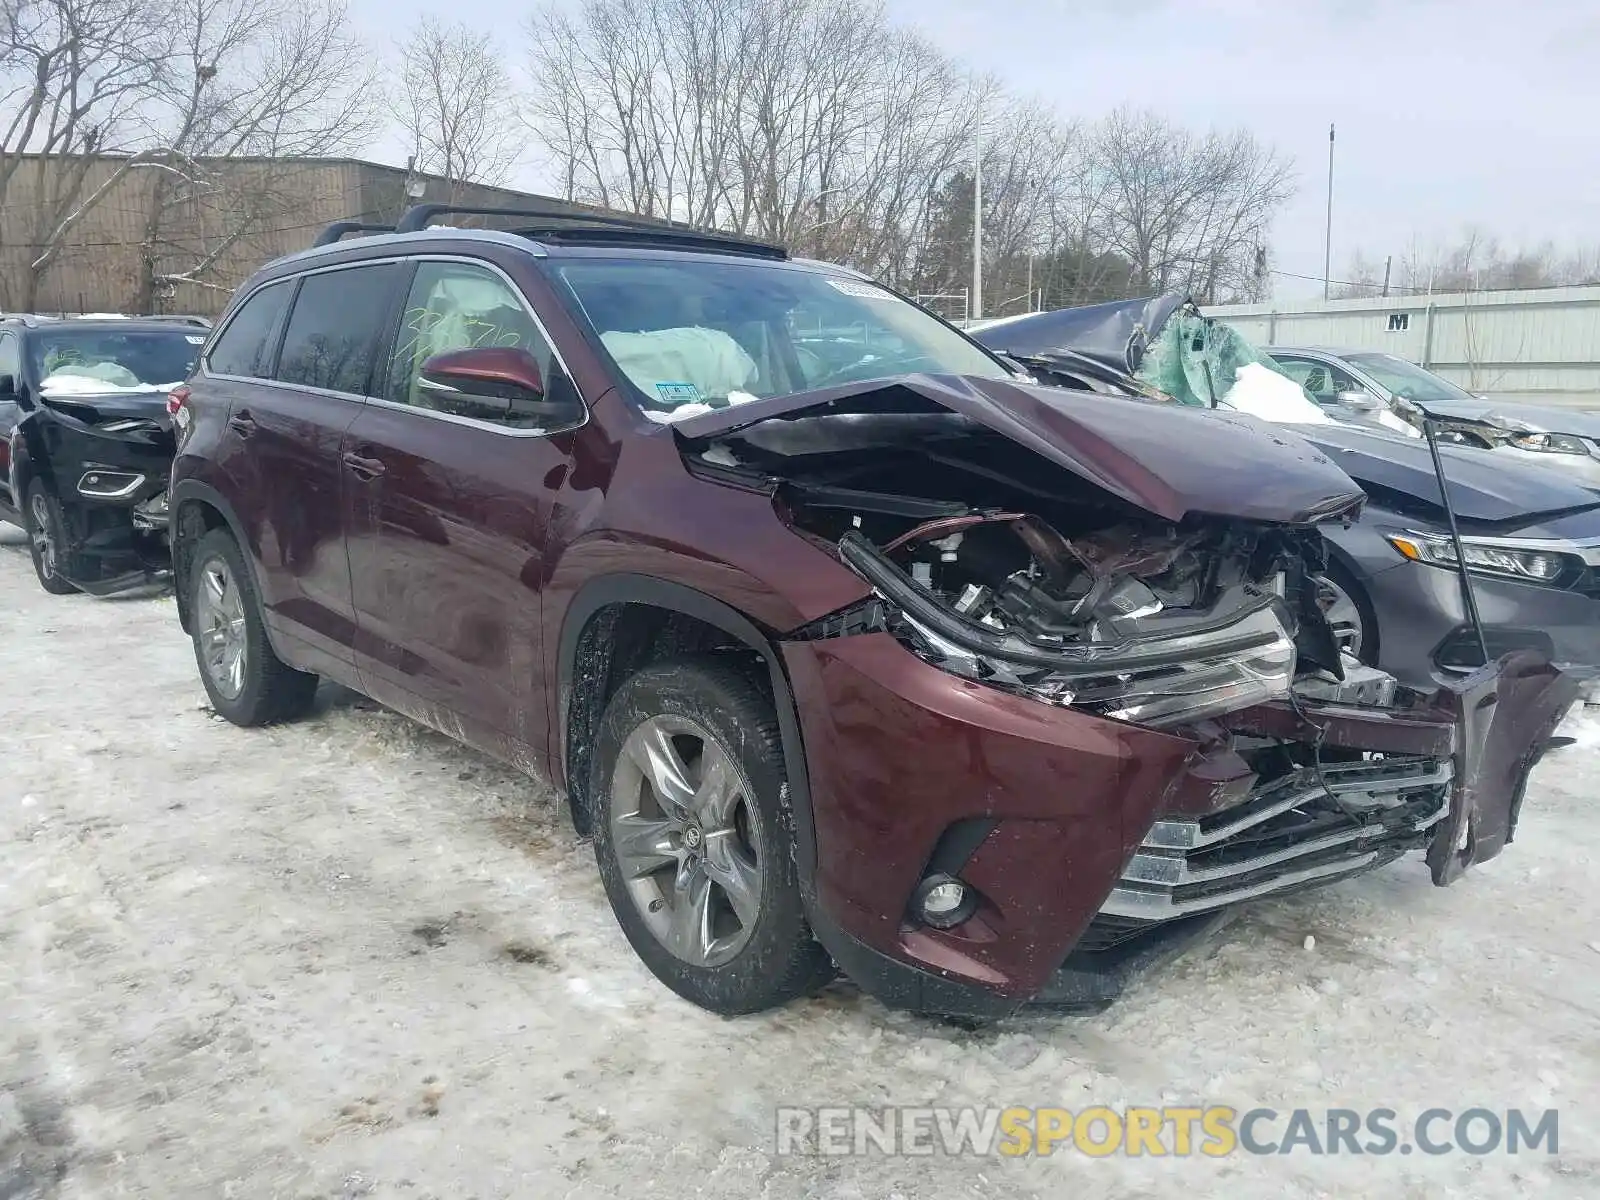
column 43, row 534
column 219, row 616
column 687, row 839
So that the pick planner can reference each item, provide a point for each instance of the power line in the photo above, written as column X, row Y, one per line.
column 1362, row 283
column 1445, row 290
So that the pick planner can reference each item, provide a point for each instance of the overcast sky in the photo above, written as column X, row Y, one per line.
column 1449, row 112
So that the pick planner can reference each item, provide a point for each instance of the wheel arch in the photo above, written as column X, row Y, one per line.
column 196, row 509
column 1342, row 561
column 29, row 459
column 592, row 615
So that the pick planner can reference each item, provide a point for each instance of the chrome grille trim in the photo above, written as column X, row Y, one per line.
column 1156, row 875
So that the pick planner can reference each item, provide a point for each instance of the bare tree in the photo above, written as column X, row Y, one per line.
column 1479, row 261
column 819, row 124
column 1187, row 211
column 245, row 80
column 456, row 105
column 811, row 122
column 71, row 74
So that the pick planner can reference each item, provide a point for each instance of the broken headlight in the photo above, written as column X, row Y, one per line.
column 1550, row 443
column 1130, row 658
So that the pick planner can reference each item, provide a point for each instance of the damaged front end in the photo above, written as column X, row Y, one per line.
column 1144, row 718
column 108, row 459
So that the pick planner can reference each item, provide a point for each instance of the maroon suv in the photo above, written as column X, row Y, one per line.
column 847, row 642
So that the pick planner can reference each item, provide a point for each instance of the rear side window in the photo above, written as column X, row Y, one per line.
column 245, row 347
column 10, row 359
column 334, row 329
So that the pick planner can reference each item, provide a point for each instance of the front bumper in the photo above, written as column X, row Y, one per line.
column 113, row 493
column 1424, row 637
column 1089, row 840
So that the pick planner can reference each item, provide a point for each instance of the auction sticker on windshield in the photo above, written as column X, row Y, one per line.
column 678, row 393
column 862, row 291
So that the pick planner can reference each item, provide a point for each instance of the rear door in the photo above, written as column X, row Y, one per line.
column 289, row 431
column 448, row 515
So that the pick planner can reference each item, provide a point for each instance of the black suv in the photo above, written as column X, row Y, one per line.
column 87, row 442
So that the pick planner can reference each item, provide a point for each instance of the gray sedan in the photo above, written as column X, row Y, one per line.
column 1393, row 593
column 1363, row 387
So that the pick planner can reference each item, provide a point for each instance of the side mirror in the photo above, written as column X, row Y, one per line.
column 1361, row 400
column 497, row 383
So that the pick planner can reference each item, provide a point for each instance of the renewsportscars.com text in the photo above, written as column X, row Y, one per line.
column 1212, row 1131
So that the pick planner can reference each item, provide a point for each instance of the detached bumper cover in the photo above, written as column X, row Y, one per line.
column 1091, row 833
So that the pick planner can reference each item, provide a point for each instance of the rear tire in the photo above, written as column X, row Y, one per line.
column 245, row 680
column 693, row 837
column 47, row 536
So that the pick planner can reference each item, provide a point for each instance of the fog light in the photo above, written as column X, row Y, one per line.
column 944, row 902
column 109, row 485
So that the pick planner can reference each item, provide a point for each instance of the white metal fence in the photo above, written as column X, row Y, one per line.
column 1527, row 343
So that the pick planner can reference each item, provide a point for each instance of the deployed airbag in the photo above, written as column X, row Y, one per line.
column 682, row 371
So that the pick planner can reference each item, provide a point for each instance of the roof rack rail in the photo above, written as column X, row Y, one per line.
column 559, row 223
column 332, row 233
column 179, row 319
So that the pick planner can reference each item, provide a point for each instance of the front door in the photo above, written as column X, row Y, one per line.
column 447, row 518
column 292, row 429
column 10, row 386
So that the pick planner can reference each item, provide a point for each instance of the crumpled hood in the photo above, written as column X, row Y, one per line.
column 1167, row 460
column 95, row 407
column 1483, row 487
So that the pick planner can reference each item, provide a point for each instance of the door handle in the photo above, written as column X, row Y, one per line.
column 242, row 423
column 362, row 468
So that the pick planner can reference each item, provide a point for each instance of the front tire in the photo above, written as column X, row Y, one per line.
column 1344, row 603
column 47, row 537
column 693, row 837
column 246, row 682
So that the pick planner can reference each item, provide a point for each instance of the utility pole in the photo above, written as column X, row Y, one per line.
column 1387, row 263
column 1327, row 243
column 977, row 228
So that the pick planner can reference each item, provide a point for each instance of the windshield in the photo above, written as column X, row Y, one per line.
column 695, row 335
column 1407, row 379
column 93, row 361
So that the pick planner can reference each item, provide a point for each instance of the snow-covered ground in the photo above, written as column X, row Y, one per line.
column 348, row 958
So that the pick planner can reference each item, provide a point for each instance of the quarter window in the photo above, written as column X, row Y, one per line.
column 10, row 357
column 333, row 330
column 245, row 347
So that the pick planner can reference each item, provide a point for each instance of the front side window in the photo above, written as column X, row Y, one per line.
column 693, row 334
column 69, row 361
column 1324, row 381
column 460, row 306
column 333, row 330
column 245, row 346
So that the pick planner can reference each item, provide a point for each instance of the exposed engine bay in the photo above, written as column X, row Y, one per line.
column 1074, row 598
